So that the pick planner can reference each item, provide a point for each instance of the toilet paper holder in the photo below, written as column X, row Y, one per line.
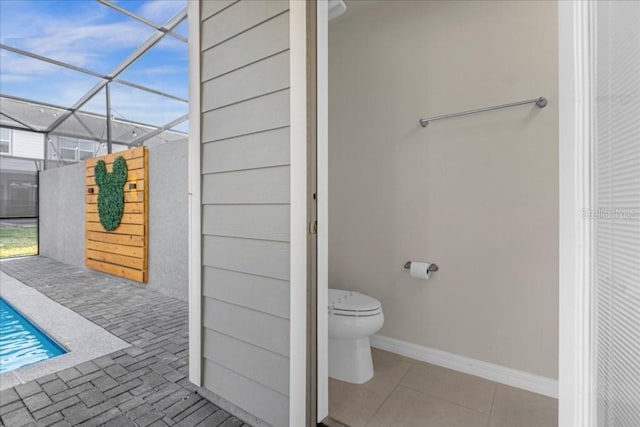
column 432, row 267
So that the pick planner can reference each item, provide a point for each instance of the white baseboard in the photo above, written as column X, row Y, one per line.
column 500, row 374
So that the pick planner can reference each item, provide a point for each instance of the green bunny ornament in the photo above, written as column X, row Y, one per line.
column 111, row 194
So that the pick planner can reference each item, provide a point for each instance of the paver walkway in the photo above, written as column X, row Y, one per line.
column 145, row 384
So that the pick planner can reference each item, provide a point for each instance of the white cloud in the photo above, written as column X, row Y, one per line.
column 145, row 107
column 22, row 65
column 160, row 11
column 85, row 45
column 84, row 36
column 14, row 78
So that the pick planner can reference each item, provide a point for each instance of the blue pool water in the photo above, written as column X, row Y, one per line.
column 21, row 342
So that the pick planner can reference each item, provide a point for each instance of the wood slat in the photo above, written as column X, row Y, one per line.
column 129, row 208
column 140, row 186
column 129, row 196
column 110, row 158
column 133, row 229
column 132, row 251
column 118, row 239
column 125, row 188
column 117, row 270
column 132, row 165
column 146, row 210
column 137, row 263
column 137, row 219
column 133, row 175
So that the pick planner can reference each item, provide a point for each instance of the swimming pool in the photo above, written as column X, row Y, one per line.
column 21, row 342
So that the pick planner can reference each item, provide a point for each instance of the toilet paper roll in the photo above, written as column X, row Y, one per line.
column 419, row 270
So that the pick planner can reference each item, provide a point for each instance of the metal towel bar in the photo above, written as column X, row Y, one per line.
column 540, row 103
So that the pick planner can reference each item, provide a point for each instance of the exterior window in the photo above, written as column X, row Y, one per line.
column 85, row 150
column 76, row 150
column 68, row 149
column 5, row 141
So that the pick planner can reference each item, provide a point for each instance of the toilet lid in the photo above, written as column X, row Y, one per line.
column 352, row 302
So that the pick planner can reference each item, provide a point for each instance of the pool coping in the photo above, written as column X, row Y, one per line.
column 83, row 339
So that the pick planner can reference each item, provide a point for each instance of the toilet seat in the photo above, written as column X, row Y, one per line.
column 352, row 304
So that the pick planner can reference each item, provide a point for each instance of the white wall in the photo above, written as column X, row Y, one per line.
column 478, row 195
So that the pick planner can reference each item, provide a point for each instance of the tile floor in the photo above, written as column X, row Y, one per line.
column 406, row 392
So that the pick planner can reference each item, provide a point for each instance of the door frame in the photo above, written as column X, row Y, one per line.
column 303, row 223
column 322, row 117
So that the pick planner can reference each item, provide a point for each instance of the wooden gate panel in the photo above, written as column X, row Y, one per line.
column 124, row 251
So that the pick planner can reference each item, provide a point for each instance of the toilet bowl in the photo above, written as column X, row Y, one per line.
column 353, row 318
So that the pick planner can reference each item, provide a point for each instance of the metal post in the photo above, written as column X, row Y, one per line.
column 107, row 89
column 38, row 212
column 45, row 141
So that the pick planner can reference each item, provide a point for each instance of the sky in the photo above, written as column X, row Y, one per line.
column 93, row 36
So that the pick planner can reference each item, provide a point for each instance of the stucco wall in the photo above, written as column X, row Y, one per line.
column 62, row 233
column 476, row 194
column 168, row 219
column 61, row 213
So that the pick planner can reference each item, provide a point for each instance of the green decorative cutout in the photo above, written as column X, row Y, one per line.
column 111, row 194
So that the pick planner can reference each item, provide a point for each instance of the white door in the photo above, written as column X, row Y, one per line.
column 600, row 214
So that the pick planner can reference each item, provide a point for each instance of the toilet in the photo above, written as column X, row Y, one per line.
column 353, row 318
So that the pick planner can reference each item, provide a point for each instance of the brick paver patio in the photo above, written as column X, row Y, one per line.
column 143, row 385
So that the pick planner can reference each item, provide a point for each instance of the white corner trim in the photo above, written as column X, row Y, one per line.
column 576, row 32
column 195, row 264
column 298, row 210
column 500, row 374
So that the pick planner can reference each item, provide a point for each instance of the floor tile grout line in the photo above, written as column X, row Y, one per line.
column 411, row 363
column 441, row 399
column 417, row 362
column 382, row 404
column 493, row 401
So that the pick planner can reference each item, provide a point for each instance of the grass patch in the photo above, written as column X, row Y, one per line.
column 18, row 241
